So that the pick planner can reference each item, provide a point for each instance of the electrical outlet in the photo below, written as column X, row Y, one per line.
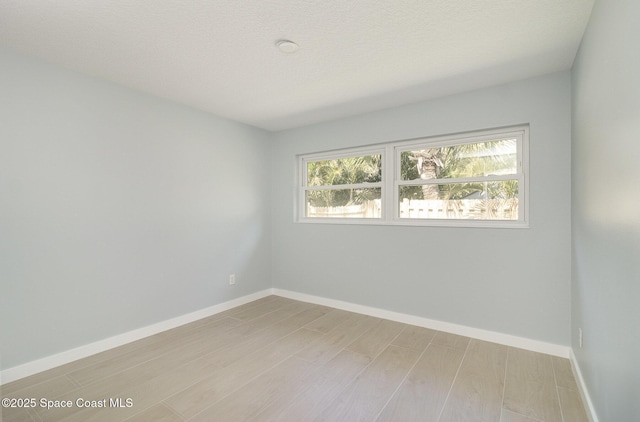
column 232, row 279
column 580, row 337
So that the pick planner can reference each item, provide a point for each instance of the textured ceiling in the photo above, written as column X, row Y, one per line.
column 354, row 57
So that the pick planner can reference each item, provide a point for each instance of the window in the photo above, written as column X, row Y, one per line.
column 343, row 186
column 472, row 179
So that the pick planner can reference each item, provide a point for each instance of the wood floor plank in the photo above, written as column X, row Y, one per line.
column 368, row 393
column 157, row 413
column 279, row 316
column 174, row 381
column 325, row 348
column 139, row 378
column 332, row 379
column 197, row 397
column 563, row 372
column 110, row 387
column 415, row 338
column 573, row 409
column 258, row 302
column 509, row 416
column 15, row 415
column 530, row 386
column 269, row 388
column 329, row 321
column 78, row 364
column 145, row 384
column 6, row 390
column 377, row 338
column 143, row 396
column 299, row 320
column 451, row 340
column 423, row 393
column 106, row 368
column 256, row 310
column 51, row 388
column 191, row 347
column 476, row 394
column 194, row 328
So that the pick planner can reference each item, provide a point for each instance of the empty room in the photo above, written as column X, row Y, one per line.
column 279, row 210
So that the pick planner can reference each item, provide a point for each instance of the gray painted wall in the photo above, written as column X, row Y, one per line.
column 514, row 281
column 606, row 209
column 118, row 209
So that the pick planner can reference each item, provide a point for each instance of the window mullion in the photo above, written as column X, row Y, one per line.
column 389, row 195
column 350, row 186
column 479, row 179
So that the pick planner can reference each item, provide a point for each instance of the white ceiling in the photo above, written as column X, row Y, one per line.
column 355, row 56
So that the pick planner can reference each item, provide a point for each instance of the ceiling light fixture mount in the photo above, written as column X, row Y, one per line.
column 287, row 46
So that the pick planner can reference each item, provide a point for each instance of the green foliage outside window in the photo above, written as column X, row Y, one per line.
column 460, row 161
column 344, row 171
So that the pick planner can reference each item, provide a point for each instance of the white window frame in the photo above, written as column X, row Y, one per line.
column 331, row 155
column 391, row 179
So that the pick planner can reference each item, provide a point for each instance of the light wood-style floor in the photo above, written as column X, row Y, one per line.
column 277, row 359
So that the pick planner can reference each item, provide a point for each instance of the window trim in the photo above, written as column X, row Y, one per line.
column 391, row 180
column 302, row 187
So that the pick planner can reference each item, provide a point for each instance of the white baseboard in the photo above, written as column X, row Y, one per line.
column 49, row 362
column 492, row 336
column 584, row 393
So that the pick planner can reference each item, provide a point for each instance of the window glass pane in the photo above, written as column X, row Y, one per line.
column 344, row 203
column 461, row 201
column 468, row 160
column 344, row 171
